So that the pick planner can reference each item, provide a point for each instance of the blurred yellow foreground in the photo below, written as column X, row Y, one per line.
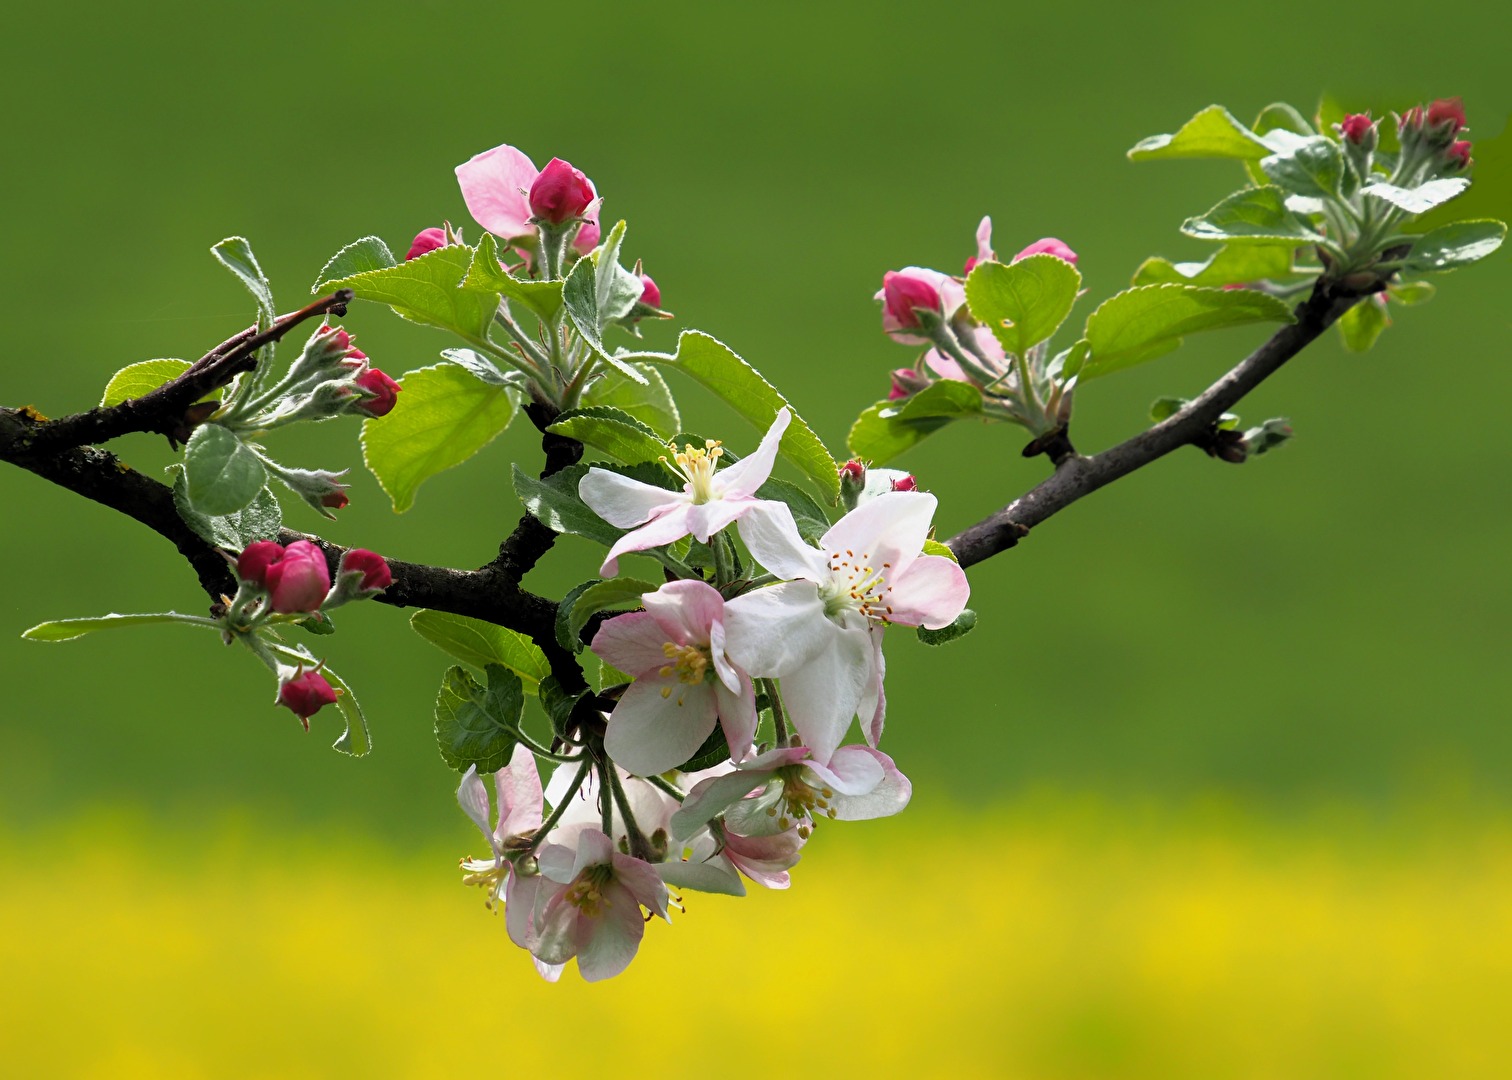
column 1049, row 939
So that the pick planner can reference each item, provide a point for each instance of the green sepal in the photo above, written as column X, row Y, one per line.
column 223, row 474
column 542, row 298
column 964, row 623
column 444, row 415
column 1140, row 324
column 475, row 724
column 480, row 643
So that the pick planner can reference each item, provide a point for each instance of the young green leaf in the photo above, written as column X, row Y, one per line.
column 68, row 629
column 480, row 643
column 1024, row 302
column 355, row 738
column 1456, row 245
column 358, row 257
column 424, row 290
column 224, row 474
column 580, row 297
column 1362, row 324
column 1420, row 199
column 716, row 366
column 612, row 431
column 143, row 377
column 808, row 515
column 1313, row 168
column 542, row 298
column 558, row 705
column 604, row 596
column 444, row 415
column 878, row 438
column 474, row 725
column 934, row 547
column 555, row 503
column 1254, row 214
column 1232, row 264
column 617, row 289
column 948, row 398
column 1212, row 133
column 965, row 622
column 235, row 254
column 1142, row 323
column 649, row 402
column 258, row 520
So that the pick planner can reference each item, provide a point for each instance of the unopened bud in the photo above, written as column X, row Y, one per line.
column 905, row 383
column 426, row 241
column 1448, row 112
column 305, row 694
column 852, row 483
column 1457, row 157
column 560, row 193
column 299, row 581
column 252, row 564
column 650, row 294
column 1356, row 128
column 335, row 500
column 1048, row 246
column 364, row 572
column 904, row 295
column 905, row 483
column 384, row 391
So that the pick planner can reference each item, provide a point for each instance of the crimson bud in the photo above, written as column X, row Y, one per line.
column 560, row 193
column 300, row 580
column 305, row 695
column 252, row 564
column 385, row 392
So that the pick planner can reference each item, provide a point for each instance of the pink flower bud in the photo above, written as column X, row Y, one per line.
column 905, row 483
column 902, row 293
column 650, row 294
column 426, row 240
column 376, row 575
column 587, row 238
column 1458, row 154
column 252, row 564
column 336, row 500
column 1048, row 246
column 1411, row 122
column 1447, row 111
column 385, row 389
column 560, row 193
column 300, row 580
column 853, row 471
column 1356, row 127
column 905, row 383
column 305, row 695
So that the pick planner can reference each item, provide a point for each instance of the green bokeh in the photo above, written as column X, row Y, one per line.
column 1326, row 624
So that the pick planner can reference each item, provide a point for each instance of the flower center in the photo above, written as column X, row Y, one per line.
column 587, row 892
column 690, row 663
column 697, row 468
column 856, row 585
column 490, row 876
column 800, row 801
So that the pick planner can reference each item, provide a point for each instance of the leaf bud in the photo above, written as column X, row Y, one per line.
column 560, row 193
column 299, row 581
column 305, row 693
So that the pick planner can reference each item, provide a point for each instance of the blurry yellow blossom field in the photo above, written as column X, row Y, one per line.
column 1050, row 938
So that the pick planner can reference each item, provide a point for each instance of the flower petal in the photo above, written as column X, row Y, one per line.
column 519, row 789
column 890, row 530
column 472, row 796
column 685, row 610
column 706, row 519
column 703, row 869
column 643, row 883
column 631, row 642
column 520, row 901
column 822, row 696
column 614, row 936
column 853, row 770
column 594, row 848
column 750, row 472
column 887, row 798
column 650, row 733
column 737, row 716
column 873, row 707
column 931, row 591
column 494, row 186
column 772, row 536
column 624, row 502
column 729, row 675
column 778, row 629
column 712, row 796
column 671, row 526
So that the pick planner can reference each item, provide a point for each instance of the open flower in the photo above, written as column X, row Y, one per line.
column 792, row 791
column 820, row 631
column 496, row 187
column 683, row 680
column 708, row 502
column 590, row 906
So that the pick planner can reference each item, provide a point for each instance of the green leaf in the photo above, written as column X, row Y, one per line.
column 1254, row 214
column 474, row 726
column 712, row 363
column 617, row 289
column 484, row 368
column 1142, row 323
column 1280, row 115
column 224, row 474
column 1212, row 133
column 603, row 596
column 480, row 643
column 68, row 629
column 358, row 257
column 235, row 254
column 609, row 675
column 612, row 431
column 1456, row 245
column 1412, row 293
column 258, row 520
column 934, row 547
column 711, row 752
column 808, row 515
column 558, row 705
column 878, row 438
column 650, row 402
column 542, row 298
column 424, row 290
column 444, row 415
column 1232, row 264
column 1166, row 407
column 580, row 297
column 355, row 738
column 1362, row 324
column 555, row 503
column 948, row 398
column 1024, row 302
column 1420, row 199
column 563, row 626
column 1314, row 168
column 965, row 622
column 134, row 380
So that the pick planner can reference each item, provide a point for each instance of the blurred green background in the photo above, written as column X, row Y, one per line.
column 1317, row 636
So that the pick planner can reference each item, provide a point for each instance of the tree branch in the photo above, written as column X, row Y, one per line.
column 1076, row 476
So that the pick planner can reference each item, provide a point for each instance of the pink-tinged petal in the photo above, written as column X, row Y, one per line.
column 822, row 696
column 643, row 883
column 706, row 519
column 765, row 859
column 684, row 610
column 670, row 527
column 550, row 972
column 651, row 807
column 649, row 733
column 713, row 796
column 1048, row 246
column 594, row 848
column 887, row 798
column 873, row 708
column 737, row 717
column 853, row 770
column 702, row 868
column 613, row 936
column 556, row 862
column 778, row 629
column 984, row 241
column 587, row 238
column 944, row 366
column 519, row 789
column 557, row 933
column 749, row 473
column 632, row 642
column 472, row 796
column 522, row 895
column 772, row 536
column 728, row 675
column 888, row 531
column 930, row 592
column 623, row 502
column 493, row 185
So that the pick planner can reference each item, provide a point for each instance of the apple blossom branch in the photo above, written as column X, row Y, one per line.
column 1076, row 475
